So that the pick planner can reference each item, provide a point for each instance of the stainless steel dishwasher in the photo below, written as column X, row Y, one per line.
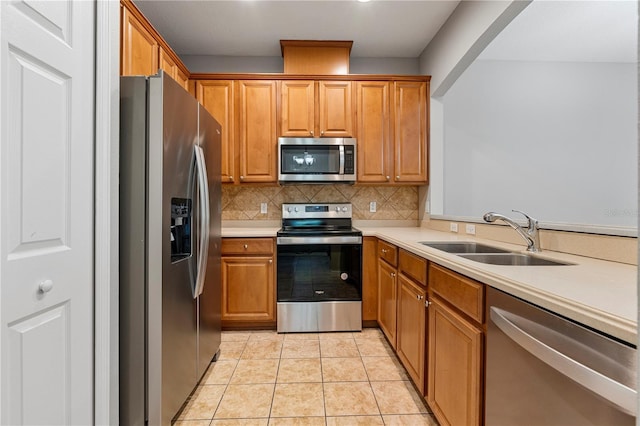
column 543, row 369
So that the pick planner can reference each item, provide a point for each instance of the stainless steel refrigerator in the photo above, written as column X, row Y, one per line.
column 169, row 247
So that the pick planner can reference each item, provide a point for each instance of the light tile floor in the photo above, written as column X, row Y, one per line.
column 329, row 379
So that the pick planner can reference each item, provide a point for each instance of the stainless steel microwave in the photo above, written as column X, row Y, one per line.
column 317, row 160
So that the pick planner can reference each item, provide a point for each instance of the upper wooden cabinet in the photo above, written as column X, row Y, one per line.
column 217, row 96
column 256, row 118
column 392, row 131
column 316, row 108
column 171, row 68
column 139, row 48
column 410, row 131
column 143, row 51
column 373, row 127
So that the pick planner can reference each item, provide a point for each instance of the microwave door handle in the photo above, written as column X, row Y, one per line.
column 341, row 171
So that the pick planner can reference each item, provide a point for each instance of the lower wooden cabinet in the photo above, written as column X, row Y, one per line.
column 411, row 327
column 369, row 280
column 248, row 282
column 387, row 300
column 456, row 340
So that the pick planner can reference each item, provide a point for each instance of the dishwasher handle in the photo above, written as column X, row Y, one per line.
column 616, row 393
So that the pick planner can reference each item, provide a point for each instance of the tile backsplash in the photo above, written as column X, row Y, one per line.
column 241, row 202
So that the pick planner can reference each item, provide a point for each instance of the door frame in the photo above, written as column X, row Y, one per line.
column 106, row 205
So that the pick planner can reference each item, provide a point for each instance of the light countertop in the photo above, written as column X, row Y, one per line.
column 598, row 293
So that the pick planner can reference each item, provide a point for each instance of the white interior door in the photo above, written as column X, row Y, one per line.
column 46, row 211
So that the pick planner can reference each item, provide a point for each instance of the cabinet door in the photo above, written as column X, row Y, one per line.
column 139, row 52
column 335, row 109
column 248, row 291
column 182, row 78
column 217, row 98
column 411, row 329
column 297, row 108
column 257, row 130
column 369, row 279
column 167, row 64
column 387, row 298
column 374, row 143
column 455, row 362
column 410, row 142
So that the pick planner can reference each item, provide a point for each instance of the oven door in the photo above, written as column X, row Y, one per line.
column 319, row 283
column 314, row 269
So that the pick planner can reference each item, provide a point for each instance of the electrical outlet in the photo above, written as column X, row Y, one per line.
column 372, row 207
column 263, row 208
column 453, row 227
column 471, row 229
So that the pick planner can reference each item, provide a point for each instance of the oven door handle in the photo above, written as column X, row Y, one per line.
column 345, row 239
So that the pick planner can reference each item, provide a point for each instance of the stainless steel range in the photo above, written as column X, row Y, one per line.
column 319, row 279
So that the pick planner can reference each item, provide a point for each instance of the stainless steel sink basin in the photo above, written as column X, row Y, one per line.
column 463, row 247
column 512, row 259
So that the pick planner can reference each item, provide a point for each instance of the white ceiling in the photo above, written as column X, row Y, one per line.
column 380, row 28
column 570, row 31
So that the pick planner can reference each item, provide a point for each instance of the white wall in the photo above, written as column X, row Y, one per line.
column 469, row 29
column 555, row 139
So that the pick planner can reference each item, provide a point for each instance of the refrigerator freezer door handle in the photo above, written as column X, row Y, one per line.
column 204, row 220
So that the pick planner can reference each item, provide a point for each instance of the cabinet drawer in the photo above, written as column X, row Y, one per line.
column 463, row 293
column 413, row 266
column 247, row 246
column 388, row 252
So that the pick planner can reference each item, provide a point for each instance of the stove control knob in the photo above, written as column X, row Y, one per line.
column 289, row 209
column 295, row 209
column 337, row 208
column 344, row 209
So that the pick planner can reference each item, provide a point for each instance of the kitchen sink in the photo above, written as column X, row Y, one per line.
column 463, row 247
column 512, row 259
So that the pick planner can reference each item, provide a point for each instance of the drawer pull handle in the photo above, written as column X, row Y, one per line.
column 246, row 246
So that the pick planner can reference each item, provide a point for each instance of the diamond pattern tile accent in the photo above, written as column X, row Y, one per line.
column 393, row 202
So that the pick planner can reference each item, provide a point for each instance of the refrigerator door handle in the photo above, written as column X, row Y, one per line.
column 201, row 170
column 618, row 394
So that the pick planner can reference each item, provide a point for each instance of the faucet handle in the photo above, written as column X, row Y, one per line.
column 533, row 223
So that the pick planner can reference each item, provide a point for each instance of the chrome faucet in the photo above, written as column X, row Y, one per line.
column 531, row 234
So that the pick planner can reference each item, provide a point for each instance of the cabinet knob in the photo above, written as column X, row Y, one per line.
column 388, row 178
column 397, row 177
column 383, row 251
column 311, row 132
column 246, row 246
column 322, row 133
column 241, row 177
column 270, row 261
column 231, row 178
column 393, row 275
column 426, row 303
column 45, row 286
